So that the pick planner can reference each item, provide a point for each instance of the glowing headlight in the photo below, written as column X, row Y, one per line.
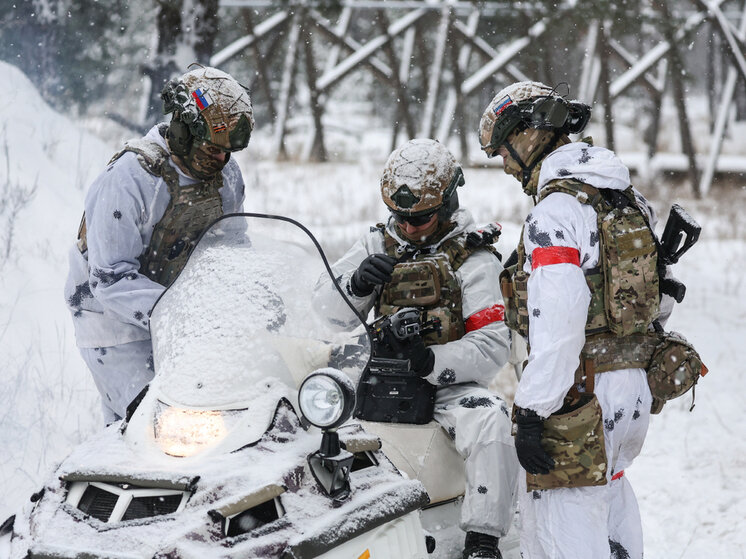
column 185, row 432
column 326, row 398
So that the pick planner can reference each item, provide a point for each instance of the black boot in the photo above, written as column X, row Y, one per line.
column 481, row 546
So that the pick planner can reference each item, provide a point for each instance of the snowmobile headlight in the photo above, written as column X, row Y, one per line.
column 326, row 398
column 184, row 432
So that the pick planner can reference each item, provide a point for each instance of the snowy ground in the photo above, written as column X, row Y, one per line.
column 689, row 478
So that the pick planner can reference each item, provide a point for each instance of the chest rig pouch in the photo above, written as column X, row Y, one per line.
column 190, row 210
column 428, row 283
column 425, row 280
column 624, row 286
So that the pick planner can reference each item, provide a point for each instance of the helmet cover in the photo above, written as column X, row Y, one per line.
column 420, row 177
column 216, row 109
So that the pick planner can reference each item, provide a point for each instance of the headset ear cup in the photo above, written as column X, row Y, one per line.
column 448, row 208
column 578, row 118
column 179, row 137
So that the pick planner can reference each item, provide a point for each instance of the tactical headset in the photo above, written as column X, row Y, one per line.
column 180, row 138
column 544, row 113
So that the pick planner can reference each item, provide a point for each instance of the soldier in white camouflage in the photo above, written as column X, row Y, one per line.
column 421, row 258
column 142, row 217
column 584, row 291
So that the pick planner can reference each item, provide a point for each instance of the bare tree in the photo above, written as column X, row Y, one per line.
column 186, row 31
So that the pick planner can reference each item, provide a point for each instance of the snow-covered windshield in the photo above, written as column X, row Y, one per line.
column 240, row 313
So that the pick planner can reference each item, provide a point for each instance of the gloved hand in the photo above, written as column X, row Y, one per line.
column 374, row 270
column 421, row 358
column 487, row 235
column 531, row 455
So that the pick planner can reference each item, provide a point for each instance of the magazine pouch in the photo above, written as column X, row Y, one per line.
column 574, row 437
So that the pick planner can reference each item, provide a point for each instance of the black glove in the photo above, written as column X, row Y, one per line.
column 487, row 235
column 374, row 270
column 531, row 455
column 421, row 358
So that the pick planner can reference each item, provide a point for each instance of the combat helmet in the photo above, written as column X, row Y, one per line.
column 536, row 108
column 419, row 179
column 211, row 112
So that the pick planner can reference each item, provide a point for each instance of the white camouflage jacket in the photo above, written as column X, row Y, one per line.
column 108, row 297
column 558, row 295
column 483, row 350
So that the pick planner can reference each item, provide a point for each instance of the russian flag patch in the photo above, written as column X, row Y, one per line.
column 201, row 98
column 502, row 105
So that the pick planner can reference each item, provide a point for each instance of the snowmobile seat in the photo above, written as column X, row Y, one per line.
column 423, row 452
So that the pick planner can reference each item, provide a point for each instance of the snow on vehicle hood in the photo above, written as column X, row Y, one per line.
column 596, row 166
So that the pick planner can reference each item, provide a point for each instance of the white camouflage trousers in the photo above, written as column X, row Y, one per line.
column 479, row 423
column 120, row 373
column 594, row 522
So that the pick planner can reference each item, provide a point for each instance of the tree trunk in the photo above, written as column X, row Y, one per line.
column 186, row 28
column 604, row 79
column 317, row 150
column 44, row 39
column 679, row 94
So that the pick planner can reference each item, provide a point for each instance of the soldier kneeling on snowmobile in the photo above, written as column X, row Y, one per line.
column 423, row 271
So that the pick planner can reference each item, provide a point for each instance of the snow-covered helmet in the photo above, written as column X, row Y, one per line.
column 419, row 179
column 535, row 106
column 210, row 110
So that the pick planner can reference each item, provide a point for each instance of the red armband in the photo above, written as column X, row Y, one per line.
column 545, row 256
column 495, row 313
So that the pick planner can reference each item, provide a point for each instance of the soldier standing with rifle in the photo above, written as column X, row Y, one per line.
column 429, row 275
column 586, row 290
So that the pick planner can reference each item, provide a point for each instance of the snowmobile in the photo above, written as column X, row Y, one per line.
column 241, row 445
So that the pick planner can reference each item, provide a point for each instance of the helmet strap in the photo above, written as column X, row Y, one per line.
column 528, row 170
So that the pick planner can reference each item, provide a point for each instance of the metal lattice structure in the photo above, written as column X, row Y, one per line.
column 440, row 58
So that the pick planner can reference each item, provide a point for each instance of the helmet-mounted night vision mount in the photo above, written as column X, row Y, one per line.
column 208, row 106
column 421, row 178
column 450, row 202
